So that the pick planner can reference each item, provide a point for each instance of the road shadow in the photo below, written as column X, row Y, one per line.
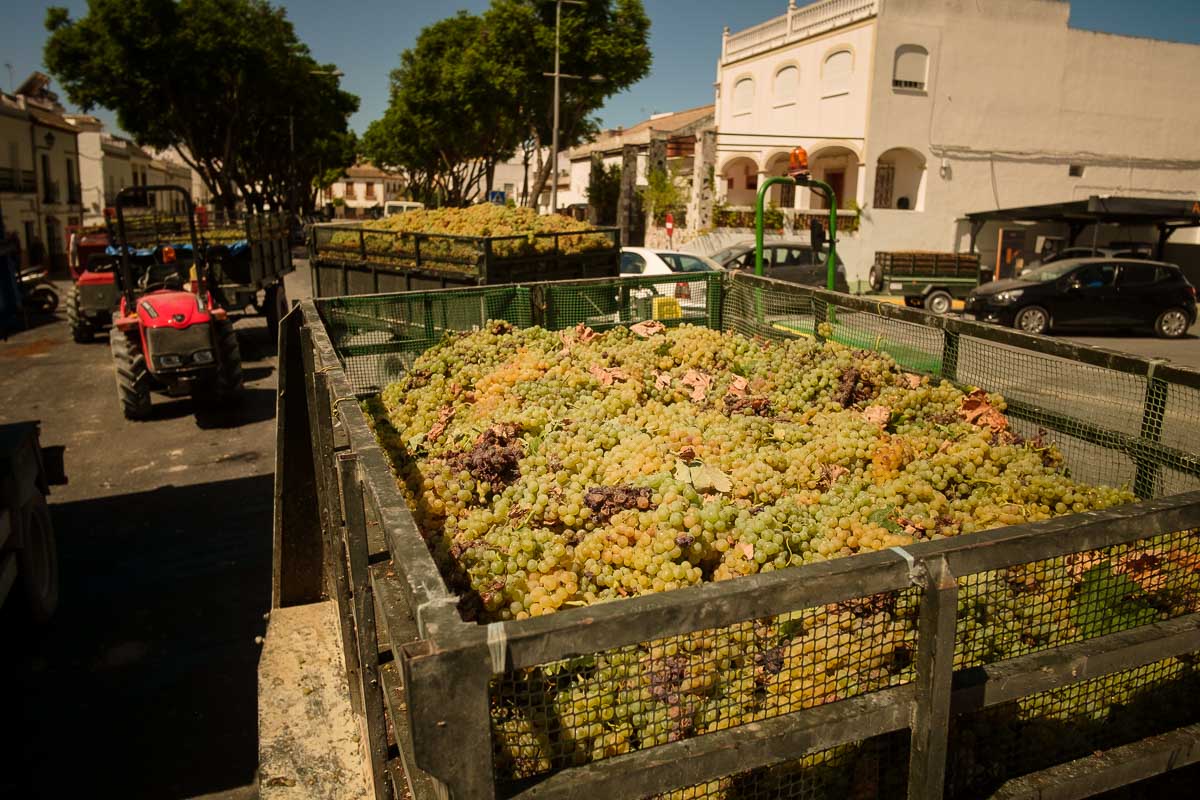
column 252, row 374
column 145, row 684
column 255, row 405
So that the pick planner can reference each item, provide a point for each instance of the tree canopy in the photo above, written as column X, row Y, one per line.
column 226, row 82
column 473, row 91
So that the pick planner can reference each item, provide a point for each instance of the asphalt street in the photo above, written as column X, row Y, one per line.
column 144, row 685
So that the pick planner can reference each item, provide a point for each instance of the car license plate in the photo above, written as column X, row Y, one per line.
column 895, row 287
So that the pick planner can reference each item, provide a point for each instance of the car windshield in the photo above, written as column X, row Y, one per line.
column 1047, row 272
column 678, row 262
column 722, row 256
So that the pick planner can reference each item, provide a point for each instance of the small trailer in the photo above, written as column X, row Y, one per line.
column 448, row 707
column 926, row 279
column 355, row 259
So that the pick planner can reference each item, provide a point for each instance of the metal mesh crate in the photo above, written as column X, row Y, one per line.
column 618, row 699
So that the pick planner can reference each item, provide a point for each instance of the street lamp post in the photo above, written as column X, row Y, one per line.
column 557, row 77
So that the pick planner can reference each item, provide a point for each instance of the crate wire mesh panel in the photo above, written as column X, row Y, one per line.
column 648, row 696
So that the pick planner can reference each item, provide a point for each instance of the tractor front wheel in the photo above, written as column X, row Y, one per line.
column 229, row 362
column 81, row 327
column 133, row 379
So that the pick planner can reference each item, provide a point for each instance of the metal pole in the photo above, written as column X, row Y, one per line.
column 291, row 166
column 554, row 133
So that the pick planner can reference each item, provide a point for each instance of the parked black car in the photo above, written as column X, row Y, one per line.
column 794, row 262
column 1090, row 293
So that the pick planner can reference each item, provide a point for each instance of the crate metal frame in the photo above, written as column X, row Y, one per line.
column 344, row 530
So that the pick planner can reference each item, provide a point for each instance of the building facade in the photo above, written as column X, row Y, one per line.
column 40, row 194
column 362, row 190
column 920, row 111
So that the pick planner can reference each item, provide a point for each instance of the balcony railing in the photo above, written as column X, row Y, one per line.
column 74, row 195
column 797, row 24
column 17, row 180
column 50, row 192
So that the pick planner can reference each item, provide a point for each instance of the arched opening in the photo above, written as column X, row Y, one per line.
column 911, row 67
column 838, row 167
column 900, row 180
column 787, row 82
column 740, row 180
column 781, row 194
column 836, row 72
column 743, row 96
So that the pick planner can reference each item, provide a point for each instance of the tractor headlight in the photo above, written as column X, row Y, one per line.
column 1010, row 296
column 170, row 361
column 203, row 357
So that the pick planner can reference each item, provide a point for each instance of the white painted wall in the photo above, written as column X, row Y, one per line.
column 1013, row 98
column 825, row 110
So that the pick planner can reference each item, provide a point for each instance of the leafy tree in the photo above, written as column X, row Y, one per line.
column 604, row 191
column 663, row 192
column 447, row 123
column 473, row 91
column 220, row 80
column 605, row 38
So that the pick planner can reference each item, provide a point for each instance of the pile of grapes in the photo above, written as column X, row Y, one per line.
column 396, row 243
column 550, row 470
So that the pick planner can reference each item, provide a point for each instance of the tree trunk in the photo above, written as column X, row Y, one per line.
column 539, row 180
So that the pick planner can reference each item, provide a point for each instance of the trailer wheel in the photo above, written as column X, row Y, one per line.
column 133, row 379
column 938, row 302
column 81, row 327
column 875, row 278
column 229, row 362
column 275, row 307
column 37, row 561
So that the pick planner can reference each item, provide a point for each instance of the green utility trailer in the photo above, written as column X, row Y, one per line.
column 354, row 259
column 953, row 719
column 926, row 279
column 28, row 555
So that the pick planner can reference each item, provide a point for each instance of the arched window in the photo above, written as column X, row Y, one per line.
column 911, row 67
column 786, row 82
column 835, row 73
column 743, row 96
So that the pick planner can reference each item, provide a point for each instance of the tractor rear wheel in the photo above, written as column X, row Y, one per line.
column 81, row 327
column 229, row 362
column 38, row 561
column 133, row 379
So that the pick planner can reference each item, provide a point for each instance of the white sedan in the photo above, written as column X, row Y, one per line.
column 648, row 261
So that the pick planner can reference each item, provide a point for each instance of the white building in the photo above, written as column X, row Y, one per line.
column 361, row 188
column 39, row 171
column 679, row 128
column 917, row 112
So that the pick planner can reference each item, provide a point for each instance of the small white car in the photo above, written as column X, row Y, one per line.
column 649, row 262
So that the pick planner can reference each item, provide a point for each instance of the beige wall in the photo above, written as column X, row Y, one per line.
column 1014, row 98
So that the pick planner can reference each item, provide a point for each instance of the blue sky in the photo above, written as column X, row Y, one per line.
column 364, row 39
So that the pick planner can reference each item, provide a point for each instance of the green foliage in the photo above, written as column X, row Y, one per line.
column 604, row 191
column 662, row 193
column 474, row 89
column 450, row 118
column 226, row 81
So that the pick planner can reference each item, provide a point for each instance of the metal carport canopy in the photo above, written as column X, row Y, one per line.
column 1167, row 215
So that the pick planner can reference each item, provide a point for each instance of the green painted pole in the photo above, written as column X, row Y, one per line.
column 758, row 218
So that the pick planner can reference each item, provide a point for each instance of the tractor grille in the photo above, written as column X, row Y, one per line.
column 178, row 341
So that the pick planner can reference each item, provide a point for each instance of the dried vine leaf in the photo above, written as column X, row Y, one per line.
column 703, row 477
column 978, row 410
column 648, row 328
column 607, row 375
column 738, row 387
column 662, row 380
column 439, row 427
column 699, row 382
column 877, row 414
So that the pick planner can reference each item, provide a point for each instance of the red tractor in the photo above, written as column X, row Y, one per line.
column 168, row 335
